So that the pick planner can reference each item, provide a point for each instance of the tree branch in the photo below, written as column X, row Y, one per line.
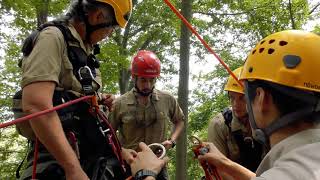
column 314, row 8
column 291, row 15
column 220, row 14
column 233, row 14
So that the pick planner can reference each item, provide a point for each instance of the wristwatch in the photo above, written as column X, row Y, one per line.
column 173, row 143
column 143, row 173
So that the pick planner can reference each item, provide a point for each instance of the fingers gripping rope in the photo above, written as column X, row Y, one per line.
column 199, row 148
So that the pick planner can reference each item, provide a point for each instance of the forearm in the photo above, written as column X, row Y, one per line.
column 49, row 131
column 178, row 128
column 236, row 170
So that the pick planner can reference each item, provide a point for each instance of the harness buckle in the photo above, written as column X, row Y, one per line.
column 86, row 78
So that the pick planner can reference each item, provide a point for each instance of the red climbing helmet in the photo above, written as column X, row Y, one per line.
column 145, row 64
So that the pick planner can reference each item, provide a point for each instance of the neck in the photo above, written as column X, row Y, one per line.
column 285, row 132
column 143, row 99
column 245, row 121
column 80, row 28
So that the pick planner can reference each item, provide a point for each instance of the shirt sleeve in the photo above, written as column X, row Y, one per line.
column 45, row 60
column 177, row 112
column 114, row 117
column 216, row 134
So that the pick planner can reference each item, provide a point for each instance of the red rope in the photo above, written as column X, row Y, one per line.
column 30, row 116
column 35, row 158
column 201, row 39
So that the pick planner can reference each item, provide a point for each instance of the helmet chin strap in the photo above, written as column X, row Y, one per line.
column 91, row 28
column 262, row 135
column 257, row 134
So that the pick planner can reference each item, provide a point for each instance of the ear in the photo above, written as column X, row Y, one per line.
column 96, row 17
column 260, row 99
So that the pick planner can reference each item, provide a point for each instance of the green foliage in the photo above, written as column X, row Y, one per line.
column 231, row 28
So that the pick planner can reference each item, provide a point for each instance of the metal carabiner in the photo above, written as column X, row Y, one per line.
column 85, row 70
column 195, row 140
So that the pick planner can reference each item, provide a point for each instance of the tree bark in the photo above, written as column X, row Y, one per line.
column 293, row 25
column 42, row 12
column 183, row 91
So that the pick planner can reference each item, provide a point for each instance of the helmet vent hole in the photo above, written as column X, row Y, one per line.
column 283, row 43
column 270, row 51
column 250, row 69
column 254, row 51
column 262, row 42
column 261, row 50
column 272, row 41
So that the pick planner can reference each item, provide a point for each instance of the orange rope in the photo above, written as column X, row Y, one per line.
column 30, row 116
column 185, row 21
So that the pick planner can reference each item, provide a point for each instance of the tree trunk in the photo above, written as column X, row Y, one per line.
column 183, row 91
column 42, row 12
column 124, row 80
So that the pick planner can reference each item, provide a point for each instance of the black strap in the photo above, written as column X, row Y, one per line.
column 250, row 151
column 227, row 115
column 22, row 162
column 77, row 56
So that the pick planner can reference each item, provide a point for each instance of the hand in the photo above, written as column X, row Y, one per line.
column 146, row 159
column 108, row 100
column 214, row 156
column 167, row 144
column 128, row 155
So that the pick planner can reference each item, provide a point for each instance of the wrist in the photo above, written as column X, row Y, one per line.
column 173, row 142
column 144, row 174
column 149, row 178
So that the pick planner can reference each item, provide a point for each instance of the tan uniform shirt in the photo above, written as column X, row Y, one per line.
column 220, row 135
column 296, row 158
column 49, row 61
column 139, row 123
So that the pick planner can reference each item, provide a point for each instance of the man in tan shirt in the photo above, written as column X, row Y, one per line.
column 47, row 73
column 283, row 99
column 143, row 114
column 230, row 130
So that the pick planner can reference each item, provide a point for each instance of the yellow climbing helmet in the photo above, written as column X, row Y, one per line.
column 290, row 58
column 122, row 10
column 232, row 84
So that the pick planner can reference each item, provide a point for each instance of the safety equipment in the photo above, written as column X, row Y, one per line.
column 287, row 61
column 145, row 64
column 232, row 84
column 287, row 58
column 122, row 10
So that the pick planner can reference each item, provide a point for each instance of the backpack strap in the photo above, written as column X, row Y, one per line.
column 84, row 66
column 227, row 115
column 250, row 152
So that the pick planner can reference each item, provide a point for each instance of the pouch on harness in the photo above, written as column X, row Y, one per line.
column 97, row 156
column 250, row 152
